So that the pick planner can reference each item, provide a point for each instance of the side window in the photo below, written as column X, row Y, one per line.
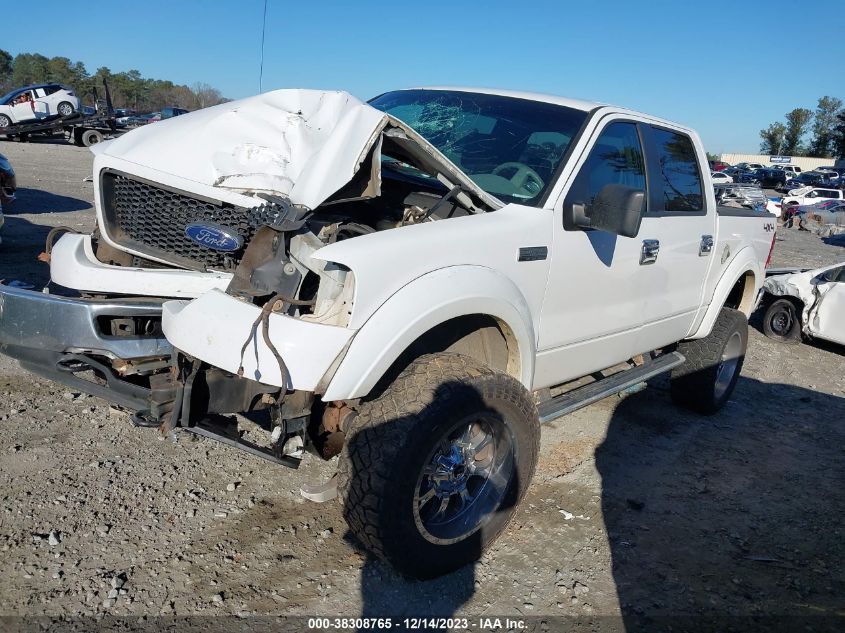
column 676, row 179
column 616, row 158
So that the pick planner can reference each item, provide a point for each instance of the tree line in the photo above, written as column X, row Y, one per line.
column 128, row 89
column 807, row 133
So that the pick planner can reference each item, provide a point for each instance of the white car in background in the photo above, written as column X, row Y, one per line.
column 809, row 303
column 720, row 176
column 811, row 195
column 37, row 102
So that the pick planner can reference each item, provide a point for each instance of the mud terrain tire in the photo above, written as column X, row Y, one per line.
column 708, row 377
column 417, row 443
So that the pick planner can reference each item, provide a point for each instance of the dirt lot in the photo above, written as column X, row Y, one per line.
column 639, row 509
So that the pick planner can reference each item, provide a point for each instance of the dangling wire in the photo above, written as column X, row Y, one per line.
column 261, row 65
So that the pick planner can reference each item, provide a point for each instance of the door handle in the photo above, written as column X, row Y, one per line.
column 649, row 253
column 706, row 245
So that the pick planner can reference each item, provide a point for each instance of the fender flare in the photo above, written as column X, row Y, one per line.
column 418, row 307
column 744, row 262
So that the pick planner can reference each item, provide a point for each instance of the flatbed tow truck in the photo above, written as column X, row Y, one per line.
column 78, row 128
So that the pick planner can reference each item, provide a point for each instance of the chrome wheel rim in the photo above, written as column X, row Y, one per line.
column 464, row 479
column 728, row 364
column 65, row 109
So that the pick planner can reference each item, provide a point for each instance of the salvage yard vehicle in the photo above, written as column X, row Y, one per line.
column 80, row 127
column 745, row 196
column 805, row 304
column 720, row 177
column 412, row 284
column 30, row 103
column 811, row 195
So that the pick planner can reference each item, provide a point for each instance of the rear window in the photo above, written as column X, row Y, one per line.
column 678, row 181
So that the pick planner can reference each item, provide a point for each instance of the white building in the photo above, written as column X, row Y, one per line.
column 806, row 163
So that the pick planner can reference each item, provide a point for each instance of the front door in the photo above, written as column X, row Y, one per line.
column 23, row 107
column 592, row 311
column 827, row 318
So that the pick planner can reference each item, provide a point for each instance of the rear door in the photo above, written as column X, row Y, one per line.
column 679, row 229
column 42, row 106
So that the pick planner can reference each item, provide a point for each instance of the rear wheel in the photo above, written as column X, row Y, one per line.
column 65, row 108
column 705, row 382
column 91, row 137
column 782, row 322
column 5, row 121
column 433, row 469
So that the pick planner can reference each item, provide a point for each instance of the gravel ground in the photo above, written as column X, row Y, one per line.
column 638, row 509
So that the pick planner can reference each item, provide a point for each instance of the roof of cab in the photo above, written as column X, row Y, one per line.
column 577, row 104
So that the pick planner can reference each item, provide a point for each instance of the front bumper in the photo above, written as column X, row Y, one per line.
column 74, row 265
column 215, row 326
column 62, row 337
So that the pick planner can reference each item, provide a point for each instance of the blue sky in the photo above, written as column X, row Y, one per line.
column 709, row 65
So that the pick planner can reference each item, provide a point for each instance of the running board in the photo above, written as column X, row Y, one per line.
column 595, row 391
column 249, row 447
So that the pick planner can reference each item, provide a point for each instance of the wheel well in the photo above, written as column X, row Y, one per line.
column 768, row 299
column 485, row 338
column 741, row 297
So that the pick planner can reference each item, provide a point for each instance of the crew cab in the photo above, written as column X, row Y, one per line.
column 412, row 284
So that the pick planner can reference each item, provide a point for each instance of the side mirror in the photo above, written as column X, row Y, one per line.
column 616, row 209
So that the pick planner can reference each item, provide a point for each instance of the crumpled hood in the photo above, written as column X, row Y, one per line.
column 301, row 144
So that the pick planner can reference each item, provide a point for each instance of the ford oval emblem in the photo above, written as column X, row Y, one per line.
column 214, row 236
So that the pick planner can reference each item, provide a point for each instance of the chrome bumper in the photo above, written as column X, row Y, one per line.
column 57, row 337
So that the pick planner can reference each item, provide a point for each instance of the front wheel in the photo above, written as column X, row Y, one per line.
column 5, row 121
column 433, row 469
column 782, row 322
column 713, row 363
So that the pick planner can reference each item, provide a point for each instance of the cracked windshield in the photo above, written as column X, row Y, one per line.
column 510, row 147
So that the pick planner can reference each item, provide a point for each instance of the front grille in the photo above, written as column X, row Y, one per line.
column 151, row 219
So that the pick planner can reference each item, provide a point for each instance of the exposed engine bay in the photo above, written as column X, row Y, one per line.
column 278, row 260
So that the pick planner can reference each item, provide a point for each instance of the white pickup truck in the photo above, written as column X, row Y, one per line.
column 413, row 284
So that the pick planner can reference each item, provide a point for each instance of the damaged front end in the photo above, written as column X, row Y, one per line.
column 217, row 219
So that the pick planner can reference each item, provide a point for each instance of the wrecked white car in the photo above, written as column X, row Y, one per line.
column 806, row 304
column 411, row 284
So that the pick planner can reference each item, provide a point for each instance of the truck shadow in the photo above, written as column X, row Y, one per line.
column 729, row 522
column 384, row 591
column 756, row 321
column 22, row 241
column 39, row 201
